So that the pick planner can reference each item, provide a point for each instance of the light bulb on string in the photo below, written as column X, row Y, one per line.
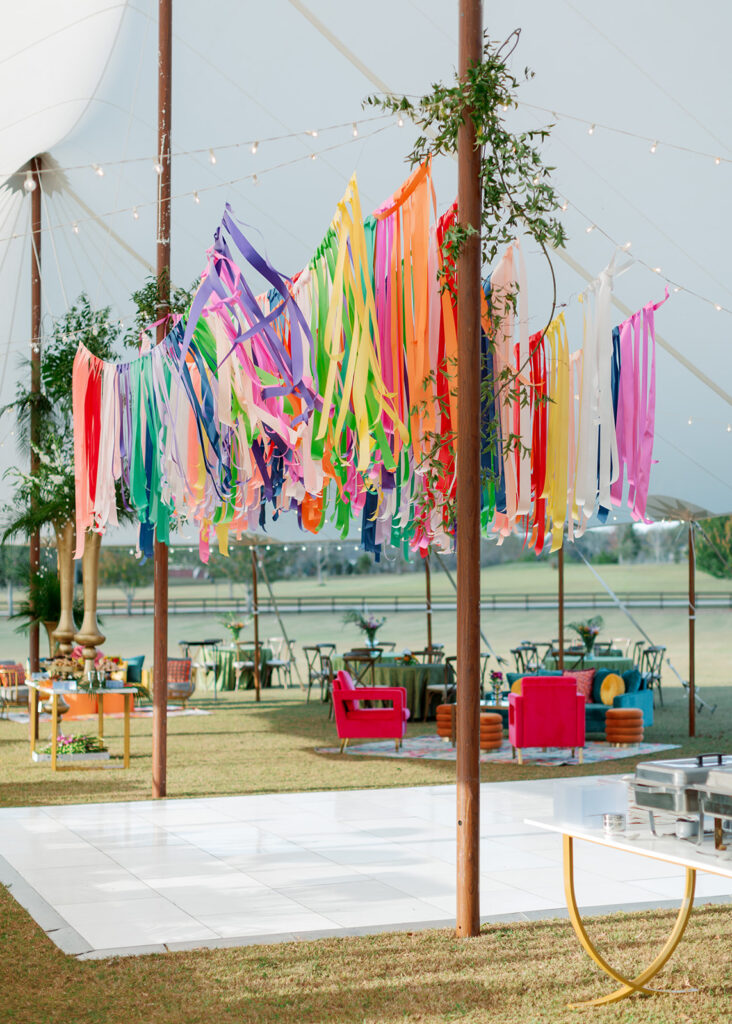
column 400, row 121
column 354, row 130
column 677, row 288
column 135, row 214
column 690, row 421
column 29, row 182
column 590, row 229
column 313, row 134
column 313, row 156
column 196, row 197
column 591, row 130
column 99, row 171
column 718, row 160
column 255, row 179
column 729, row 428
column 158, row 168
column 654, row 147
column 212, row 156
column 627, row 246
column 254, row 148
column 75, row 228
column 656, row 270
column 717, row 307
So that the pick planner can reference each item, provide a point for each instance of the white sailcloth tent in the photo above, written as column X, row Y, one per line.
column 641, row 145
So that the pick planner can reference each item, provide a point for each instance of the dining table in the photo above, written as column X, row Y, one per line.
column 611, row 662
column 224, row 675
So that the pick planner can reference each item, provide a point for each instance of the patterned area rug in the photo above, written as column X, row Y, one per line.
column 435, row 748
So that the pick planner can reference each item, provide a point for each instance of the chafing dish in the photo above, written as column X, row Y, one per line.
column 715, row 799
column 673, row 786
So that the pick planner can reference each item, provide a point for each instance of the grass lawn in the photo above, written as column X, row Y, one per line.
column 511, row 974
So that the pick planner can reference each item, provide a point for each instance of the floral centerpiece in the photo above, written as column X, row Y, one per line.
column 497, row 684
column 234, row 625
column 368, row 624
column 588, row 630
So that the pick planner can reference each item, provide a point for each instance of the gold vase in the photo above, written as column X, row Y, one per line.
column 65, row 543
column 50, row 628
column 89, row 636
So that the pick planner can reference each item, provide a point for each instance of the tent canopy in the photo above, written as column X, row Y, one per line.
column 640, row 149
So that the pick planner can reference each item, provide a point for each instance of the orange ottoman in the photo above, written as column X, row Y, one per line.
column 445, row 717
column 624, row 726
column 491, row 731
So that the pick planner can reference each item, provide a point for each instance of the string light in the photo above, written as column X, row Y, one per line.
column 212, row 156
column 565, row 206
column 313, row 156
column 98, row 170
column 654, row 146
column 400, row 121
column 75, row 228
column 354, row 130
column 158, row 168
column 729, row 428
column 196, row 197
column 627, row 246
column 255, row 147
column 656, row 270
column 717, row 307
column 690, row 421
column 255, row 179
column 717, row 160
column 313, row 133
column 135, row 214
column 590, row 228
column 591, row 130
column 29, row 182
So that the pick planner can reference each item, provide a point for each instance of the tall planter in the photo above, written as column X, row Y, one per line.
column 89, row 636
column 65, row 543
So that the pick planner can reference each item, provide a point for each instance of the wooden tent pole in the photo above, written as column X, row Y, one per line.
column 255, row 612
column 35, row 362
column 276, row 607
column 692, row 632
column 560, row 602
column 428, row 597
column 160, row 584
column 468, row 494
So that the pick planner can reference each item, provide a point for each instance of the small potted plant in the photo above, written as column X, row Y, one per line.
column 588, row 630
column 368, row 624
column 74, row 748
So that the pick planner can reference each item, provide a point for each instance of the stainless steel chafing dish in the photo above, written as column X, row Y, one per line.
column 715, row 799
column 674, row 786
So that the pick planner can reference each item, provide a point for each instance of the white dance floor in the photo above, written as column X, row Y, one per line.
column 126, row 878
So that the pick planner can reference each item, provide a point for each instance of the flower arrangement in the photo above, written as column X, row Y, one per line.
column 76, row 745
column 497, row 685
column 368, row 624
column 234, row 625
column 588, row 630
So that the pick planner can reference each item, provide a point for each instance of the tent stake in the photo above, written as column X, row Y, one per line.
column 160, row 583
column 468, row 493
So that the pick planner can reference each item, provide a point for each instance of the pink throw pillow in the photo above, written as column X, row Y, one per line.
column 584, row 682
column 346, row 683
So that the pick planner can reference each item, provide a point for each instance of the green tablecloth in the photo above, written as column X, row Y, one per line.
column 224, row 676
column 414, row 678
column 618, row 665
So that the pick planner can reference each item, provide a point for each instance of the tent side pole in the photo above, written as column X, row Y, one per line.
column 428, row 599
column 468, row 494
column 35, row 362
column 560, row 602
column 279, row 619
column 692, row 632
column 160, row 582
column 255, row 612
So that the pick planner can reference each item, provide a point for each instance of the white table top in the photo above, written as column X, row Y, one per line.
column 63, row 686
column 635, row 839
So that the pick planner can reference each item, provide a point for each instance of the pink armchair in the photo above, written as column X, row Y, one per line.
column 547, row 713
column 353, row 721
